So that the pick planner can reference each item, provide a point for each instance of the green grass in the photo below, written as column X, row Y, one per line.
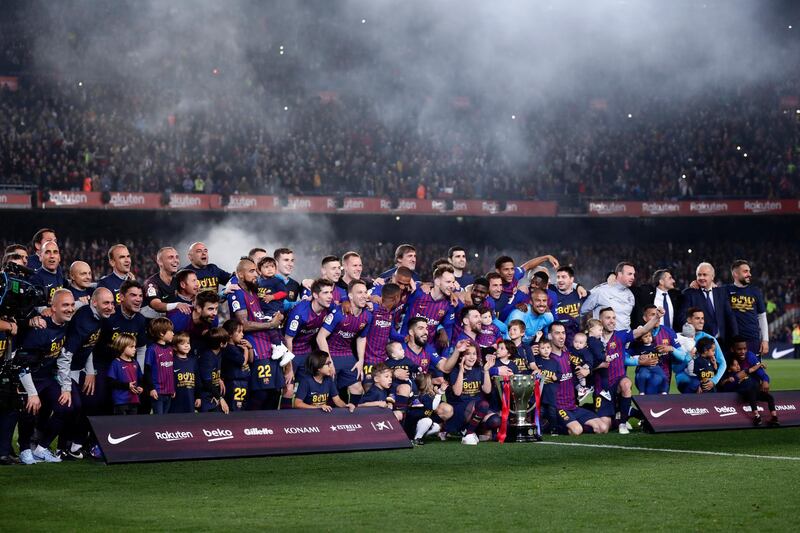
column 441, row 486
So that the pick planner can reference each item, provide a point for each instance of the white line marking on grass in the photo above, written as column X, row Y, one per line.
column 669, row 450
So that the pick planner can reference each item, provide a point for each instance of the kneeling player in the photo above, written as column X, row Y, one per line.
column 317, row 389
column 471, row 412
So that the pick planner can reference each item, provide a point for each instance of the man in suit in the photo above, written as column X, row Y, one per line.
column 719, row 319
column 661, row 293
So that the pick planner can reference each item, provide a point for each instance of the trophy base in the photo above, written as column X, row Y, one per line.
column 523, row 434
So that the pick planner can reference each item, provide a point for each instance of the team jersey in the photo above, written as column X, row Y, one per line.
column 665, row 336
column 509, row 364
column 615, row 350
column 747, row 303
column 79, row 293
column 551, row 374
column 471, row 386
column 436, row 312
column 311, row 392
column 523, row 359
column 581, row 357
column 83, row 333
column 565, row 392
column 465, row 280
column 751, row 359
column 389, row 273
column 158, row 361
column 241, row 300
column 185, row 371
column 380, row 331
column 504, row 306
column 704, row 369
column 292, row 289
column 399, row 312
column 5, row 342
column 567, row 311
column 49, row 282
column 112, row 282
column 45, row 344
column 234, row 365
column 303, row 326
column 183, row 322
column 111, row 328
column 123, row 373
column 210, row 276
column 489, row 335
column 155, row 288
column 508, row 288
column 344, row 328
column 209, row 374
column 405, row 364
column 375, row 394
column 425, row 359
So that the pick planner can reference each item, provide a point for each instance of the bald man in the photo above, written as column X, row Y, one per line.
column 210, row 276
column 160, row 288
column 80, row 283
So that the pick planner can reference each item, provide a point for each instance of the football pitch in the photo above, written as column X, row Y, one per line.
column 631, row 483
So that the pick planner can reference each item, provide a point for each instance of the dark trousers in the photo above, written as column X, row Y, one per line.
column 263, row 400
column 126, row 409
column 8, row 421
column 53, row 416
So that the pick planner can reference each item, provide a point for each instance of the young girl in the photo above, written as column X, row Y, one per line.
column 212, row 388
column 236, row 359
column 649, row 379
column 158, row 361
column 503, row 365
column 317, row 389
column 125, row 376
column 471, row 412
column 185, row 370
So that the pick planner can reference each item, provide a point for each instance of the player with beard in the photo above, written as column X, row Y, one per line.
column 381, row 327
column 83, row 334
column 37, row 242
column 469, row 319
column 536, row 318
column 211, row 277
column 46, row 381
column 284, row 259
column 457, row 256
column 202, row 318
column 80, row 282
column 436, row 307
column 267, row 378
column 404, row 256
column 160, row 288
column 424, row 355
column 572, row 419
column 403, row 278
column 49, row 276
column 511, row 274
column 502, row 305
column 749, row 308
column 339, row 332
column 120, row 260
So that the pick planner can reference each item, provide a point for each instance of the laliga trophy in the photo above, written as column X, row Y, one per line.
column 515, row 395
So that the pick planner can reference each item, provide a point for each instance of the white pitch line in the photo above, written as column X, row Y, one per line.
column 668, row 450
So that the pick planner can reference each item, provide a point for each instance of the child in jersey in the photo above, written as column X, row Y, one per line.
column 649, row 379
column 317, row 388
column 209, row 365
column 158, row 360
column 271, row 295
column 469, row 383
column 705, row 365
column 748, row 386
column 594, row 333
column 236, row 358
column 380, row 394
column 125, row 376
column 503, row 365
column 490, row 333
column 430, row 416
column 184, row 367
column 550, row 374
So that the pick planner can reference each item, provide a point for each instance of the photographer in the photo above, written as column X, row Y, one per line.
column 9, row 411
column 46, row 380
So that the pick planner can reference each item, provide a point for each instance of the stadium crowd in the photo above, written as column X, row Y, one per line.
column 421, row 339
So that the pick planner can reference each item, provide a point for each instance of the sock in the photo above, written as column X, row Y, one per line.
column 286, row 403
column 435, row 428
column 355, row 399
column 481, row 408
column 624, row 409
column 423, row 426
column 493, row 422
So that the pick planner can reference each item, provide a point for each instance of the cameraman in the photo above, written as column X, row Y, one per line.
column 47, row 382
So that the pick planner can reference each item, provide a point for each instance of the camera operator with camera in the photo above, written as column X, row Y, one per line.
column 9, row 399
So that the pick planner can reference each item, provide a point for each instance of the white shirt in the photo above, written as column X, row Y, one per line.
column 658, row 301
